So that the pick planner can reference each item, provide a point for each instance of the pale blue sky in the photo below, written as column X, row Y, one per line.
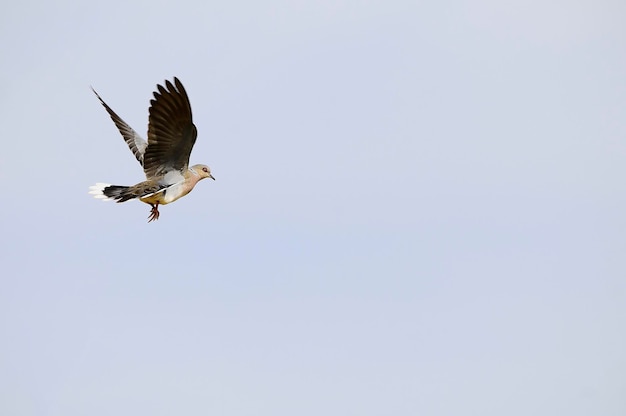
column 419, row 210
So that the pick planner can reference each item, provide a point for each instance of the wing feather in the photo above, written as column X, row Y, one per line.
column 171, row 132
column 135, row 142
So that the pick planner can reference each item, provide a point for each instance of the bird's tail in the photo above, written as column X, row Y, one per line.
column 108, row 192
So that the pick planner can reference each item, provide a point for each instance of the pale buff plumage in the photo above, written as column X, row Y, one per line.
column 164, row 157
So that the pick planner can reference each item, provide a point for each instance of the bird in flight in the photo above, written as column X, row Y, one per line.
column 164, row 157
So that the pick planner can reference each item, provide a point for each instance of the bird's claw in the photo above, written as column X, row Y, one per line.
column 154, row 213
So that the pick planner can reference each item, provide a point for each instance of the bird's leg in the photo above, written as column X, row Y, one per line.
column 154, row 213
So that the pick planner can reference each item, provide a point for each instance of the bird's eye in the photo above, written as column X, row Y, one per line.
column 205, row 169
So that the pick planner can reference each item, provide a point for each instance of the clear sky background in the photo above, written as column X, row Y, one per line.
column 420, row 209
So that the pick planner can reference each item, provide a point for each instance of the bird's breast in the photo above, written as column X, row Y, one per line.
column 169, row 194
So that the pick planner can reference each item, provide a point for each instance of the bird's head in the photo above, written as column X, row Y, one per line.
column 203, row 171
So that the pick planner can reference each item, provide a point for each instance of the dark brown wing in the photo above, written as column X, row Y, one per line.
column 171, row 132
column 134, row 141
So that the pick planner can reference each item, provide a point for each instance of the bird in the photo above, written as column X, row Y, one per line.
column 164, row 156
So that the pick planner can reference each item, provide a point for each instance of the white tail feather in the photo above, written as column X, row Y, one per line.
column 96, row 191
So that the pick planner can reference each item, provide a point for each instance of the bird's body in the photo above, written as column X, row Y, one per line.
column 164, row 157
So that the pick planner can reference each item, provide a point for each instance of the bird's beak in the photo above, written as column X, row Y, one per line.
column 211, row 176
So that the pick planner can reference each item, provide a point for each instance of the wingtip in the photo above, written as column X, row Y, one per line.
column 98, row 95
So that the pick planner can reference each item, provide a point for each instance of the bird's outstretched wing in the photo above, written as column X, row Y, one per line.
column 171, row 132
column 135, row 142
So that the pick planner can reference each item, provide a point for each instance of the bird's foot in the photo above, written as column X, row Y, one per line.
column 154, row 213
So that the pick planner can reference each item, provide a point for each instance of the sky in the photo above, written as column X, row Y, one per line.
column 419, row 209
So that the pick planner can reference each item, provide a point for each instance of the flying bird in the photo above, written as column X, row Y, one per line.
column 164, row 157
